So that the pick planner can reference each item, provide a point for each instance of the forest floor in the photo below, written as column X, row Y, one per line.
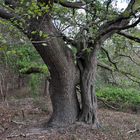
column 23, row 119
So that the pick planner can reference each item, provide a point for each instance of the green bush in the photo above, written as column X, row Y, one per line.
column 34, row 84
column 118, row 95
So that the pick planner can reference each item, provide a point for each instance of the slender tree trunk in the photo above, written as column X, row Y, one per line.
column 87, row 85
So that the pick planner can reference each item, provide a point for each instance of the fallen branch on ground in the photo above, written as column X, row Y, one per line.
column 18, row 123
column 18, row 135
column 107, row 104
column 137, row 129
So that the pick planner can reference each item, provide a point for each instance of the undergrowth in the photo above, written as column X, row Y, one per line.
column 122, row 96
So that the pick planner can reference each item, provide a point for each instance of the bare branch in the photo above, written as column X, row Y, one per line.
column 32, row 70
column 11, row 3
column 122, row 55
column 136, row 39
column 107, row 104
column 61, row 35
column 68, row 40
column 109, row 58
column 120, row 23
column 104, row 34
column 75, row 5
column 104, row 66
column 127, row 74
column 5, row 14
column 134, row 80
column 125, row 27
column 108, row 3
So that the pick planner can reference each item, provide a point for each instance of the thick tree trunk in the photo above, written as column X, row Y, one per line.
column 64, row 77
column 87, row 85
column 62, row 69
column 63, row 96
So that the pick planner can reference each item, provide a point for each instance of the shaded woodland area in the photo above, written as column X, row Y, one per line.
column 69, row 69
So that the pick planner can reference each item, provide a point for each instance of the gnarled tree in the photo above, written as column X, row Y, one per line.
column 56, row 28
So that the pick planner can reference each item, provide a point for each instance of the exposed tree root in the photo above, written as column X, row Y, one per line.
column 87, row 115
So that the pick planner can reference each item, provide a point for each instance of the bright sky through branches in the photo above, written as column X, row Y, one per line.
column 120, row 4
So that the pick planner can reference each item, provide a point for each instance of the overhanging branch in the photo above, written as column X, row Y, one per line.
column 5, row 14
column 120, row 23
column 136, row 39
column 74, row 5
column 127, row 74
column 33, row 70
column 109, row 58
column 68, row 40
column 104, row 66
column 11, row 3
column 122, row 55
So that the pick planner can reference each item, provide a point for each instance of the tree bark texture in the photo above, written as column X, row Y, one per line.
column 62, row 70
column 64, row 77
column 87, row 85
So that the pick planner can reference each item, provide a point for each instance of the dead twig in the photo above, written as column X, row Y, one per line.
column 25, row 135
column 107, row 104
column 137, row 129
column 23, row 114
column 18, row 123
column 2, row 128
column 18, row 135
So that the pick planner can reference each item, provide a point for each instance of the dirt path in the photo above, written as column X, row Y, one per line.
column 23, row 119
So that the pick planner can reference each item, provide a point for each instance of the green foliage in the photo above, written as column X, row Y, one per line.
column 21, row 58
column 31, row 9
column 129, row 96
column 34, row 83
column 136, row 6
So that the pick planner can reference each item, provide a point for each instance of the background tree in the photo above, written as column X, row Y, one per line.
column 68, row 41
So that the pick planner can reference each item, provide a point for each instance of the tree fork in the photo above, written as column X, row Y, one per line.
column 62, row 69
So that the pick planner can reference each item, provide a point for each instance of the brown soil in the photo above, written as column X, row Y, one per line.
column 23, row 119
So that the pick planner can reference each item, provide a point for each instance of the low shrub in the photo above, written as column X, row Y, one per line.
column 129, row 96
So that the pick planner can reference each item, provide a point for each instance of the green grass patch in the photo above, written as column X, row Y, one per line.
column 122, row 96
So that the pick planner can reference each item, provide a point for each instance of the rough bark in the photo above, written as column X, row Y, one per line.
column 64, row 78
column 62, row 69
column 65, row 107
column 87, row 85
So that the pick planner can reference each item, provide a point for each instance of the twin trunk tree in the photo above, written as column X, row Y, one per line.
column 68, row 72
